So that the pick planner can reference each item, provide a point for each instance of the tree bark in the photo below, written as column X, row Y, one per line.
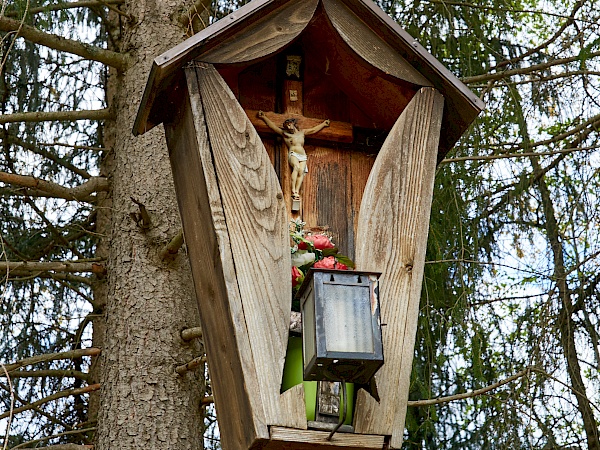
column 144, row 402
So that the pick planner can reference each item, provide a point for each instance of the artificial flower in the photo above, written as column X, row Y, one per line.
column 330, row 263
column 302, row 258
column 320, row 242
column 297, row 276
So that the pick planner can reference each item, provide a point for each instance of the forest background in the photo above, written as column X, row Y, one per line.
column 90, row 237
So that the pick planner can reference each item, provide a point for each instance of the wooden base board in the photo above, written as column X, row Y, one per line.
column 293, row 439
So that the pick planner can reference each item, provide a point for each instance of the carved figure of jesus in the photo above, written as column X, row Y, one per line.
column 294, row 140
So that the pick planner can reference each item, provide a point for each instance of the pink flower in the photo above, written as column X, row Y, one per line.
column 320, row 241
column 297, row 276
column 330, row 263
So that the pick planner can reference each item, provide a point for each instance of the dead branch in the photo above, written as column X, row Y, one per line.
column 49, row 373
column 25, row 268
column 525, row 70
column 74, row 146
column 190, row 365
column 55, row 42
column 40, row 411
column 32, row 443
column 61, row 394
column 141, row 219
column 12, row 405
column 475, row 393
column 207, row 400
column 42, row 116
column 172, row 248
column 513, row 155
column 191, row 333
column 72, row 354
column 60, row 447
column 68, row 5
column 83, row 192
column 46, row 154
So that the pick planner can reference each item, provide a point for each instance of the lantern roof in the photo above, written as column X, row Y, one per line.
column 364, row 38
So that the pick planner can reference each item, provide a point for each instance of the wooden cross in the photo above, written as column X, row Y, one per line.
column 292, row 107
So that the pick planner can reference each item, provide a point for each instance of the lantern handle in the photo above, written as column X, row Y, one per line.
column 344, row 409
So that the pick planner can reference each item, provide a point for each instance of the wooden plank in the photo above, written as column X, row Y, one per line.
column 286, row 438
column 266, row 36
column 369, row 46
column 392, row 239
column 336, row 131
column 234, row 379
column 257, row 223
column 325, row 199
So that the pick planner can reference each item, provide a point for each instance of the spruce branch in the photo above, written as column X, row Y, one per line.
column 83, row 192
column 68, row 5
column 475, row 393
column 89, row 114
column 67, row 373
column 191, row 333
column 191, row 365
column 58, row 395
column 110, row 58
column 33, row 443
column 172, row 248
column 72, row 354
column 525, row 70
column 48, row 155
column 20, row 268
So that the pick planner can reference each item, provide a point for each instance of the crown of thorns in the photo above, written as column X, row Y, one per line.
column 292, row 121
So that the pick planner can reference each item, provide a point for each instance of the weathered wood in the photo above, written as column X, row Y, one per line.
column 335, row 132
column 288, row 439
column 392, row 239
column 257, row 223
column 264, row 37
column 369, row 46
column 226, row 338
column 325, row 194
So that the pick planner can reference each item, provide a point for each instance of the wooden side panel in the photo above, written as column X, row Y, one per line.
column 257, row 223
column 369, row 46
column 360, row 168
column 392, row 238
column 266, row 36
column 288, row 439
column 225, row 335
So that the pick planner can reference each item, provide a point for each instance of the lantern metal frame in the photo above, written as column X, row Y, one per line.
column 323, row 362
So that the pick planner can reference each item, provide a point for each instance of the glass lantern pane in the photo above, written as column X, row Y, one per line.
column 347, row 319
column 308, row 327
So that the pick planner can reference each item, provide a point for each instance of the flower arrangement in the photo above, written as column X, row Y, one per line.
column 312, row 250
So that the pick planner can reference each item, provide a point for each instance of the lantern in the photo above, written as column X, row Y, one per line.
column 341, row 327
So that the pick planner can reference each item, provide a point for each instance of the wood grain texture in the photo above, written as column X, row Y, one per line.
column 288, row 439
column 264, row 37
column 335, row 132
column 325, row 197
column 360, row 168
column 257, row 223
column 230, row 358
column 369, row 46
column 392, row 238
column 296, row 106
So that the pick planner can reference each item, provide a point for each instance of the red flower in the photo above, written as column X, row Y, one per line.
column 297, row 276
column 330, row 263
column 320, row 241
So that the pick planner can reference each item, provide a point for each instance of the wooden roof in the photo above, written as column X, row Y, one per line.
column 264, row 27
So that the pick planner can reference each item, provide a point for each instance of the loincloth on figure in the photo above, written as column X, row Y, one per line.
column 299, row 157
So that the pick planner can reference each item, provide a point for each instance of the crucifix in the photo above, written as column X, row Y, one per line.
column 293, row 126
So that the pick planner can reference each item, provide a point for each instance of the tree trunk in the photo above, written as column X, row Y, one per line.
column 566, row 325
column 144, row 402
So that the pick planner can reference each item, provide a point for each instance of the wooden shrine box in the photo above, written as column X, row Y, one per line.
column 395, row 111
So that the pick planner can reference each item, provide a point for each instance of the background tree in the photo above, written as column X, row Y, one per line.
column 88, row 211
